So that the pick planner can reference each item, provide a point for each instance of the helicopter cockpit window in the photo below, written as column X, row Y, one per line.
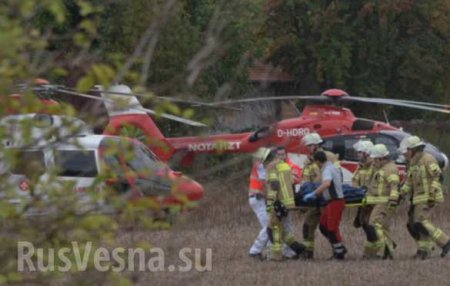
column 112, row 161
column 118, row 153
column 75, row 163
column 144, row 161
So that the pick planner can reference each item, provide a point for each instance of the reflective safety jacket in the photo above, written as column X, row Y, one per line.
column 257, row 180
column 422, row 179
column 296, row 171
column 362, row 175
column 279, row 175
column 383, row 185
column 312, row 172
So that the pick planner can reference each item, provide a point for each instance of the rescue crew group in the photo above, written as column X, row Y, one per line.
column 271, row 197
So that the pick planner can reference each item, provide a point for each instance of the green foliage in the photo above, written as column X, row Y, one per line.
column 50, row 38
column 182, row 38
column 396, row 49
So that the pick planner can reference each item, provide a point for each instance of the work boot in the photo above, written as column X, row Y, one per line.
column 308, row 254
column 298, row 248
column 445, row 249
column 339, row 252
column 421, row 254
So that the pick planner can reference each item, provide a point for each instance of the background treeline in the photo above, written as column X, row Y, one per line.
column 398, row 49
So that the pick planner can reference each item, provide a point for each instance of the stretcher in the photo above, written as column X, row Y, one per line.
column 353, row 196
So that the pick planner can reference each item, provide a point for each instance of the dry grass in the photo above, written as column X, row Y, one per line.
column 226, row 224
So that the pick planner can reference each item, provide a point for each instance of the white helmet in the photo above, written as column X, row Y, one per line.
column 261, row 153
column 410, row 142
column 312, row 138
column 379, row 151
column 363, row 146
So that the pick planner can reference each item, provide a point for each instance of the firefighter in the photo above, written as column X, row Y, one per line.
column 296, row 169
column 361, row 178
column 423, row 184
column 296, row 179
column 312, row 173
column 256, row 198
column 382, row 195
column 280, row 199
column 331, row 190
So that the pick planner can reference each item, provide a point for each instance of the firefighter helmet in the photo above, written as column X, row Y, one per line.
column 411, row 142
column 312, row 138
column 363, row 146
column 379, row 151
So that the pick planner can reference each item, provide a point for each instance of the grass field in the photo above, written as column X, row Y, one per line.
column 225, row 223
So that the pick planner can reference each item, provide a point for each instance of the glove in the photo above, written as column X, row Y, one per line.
column 310, row 197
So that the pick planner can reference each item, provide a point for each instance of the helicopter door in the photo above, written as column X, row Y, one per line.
column 342, row 145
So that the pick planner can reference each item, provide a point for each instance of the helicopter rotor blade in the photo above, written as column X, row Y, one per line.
column 147, row 110
column 175, row 99
column 423, row 103
column 269, row 98
column 397, row 103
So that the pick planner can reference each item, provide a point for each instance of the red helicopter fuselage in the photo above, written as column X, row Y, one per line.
column 323, row 119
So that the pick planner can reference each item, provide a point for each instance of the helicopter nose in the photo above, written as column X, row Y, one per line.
column 192, row 189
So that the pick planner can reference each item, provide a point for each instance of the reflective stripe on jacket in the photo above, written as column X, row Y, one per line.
column 280, row 183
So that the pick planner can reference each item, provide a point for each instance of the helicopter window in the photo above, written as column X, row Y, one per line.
column 112, row 161
column 76, row 163
column 334, row 144
column 350, row 152
column 144, row 161
column 362, row 124
column 119, row 152
column 26, row 158
column 328, row 144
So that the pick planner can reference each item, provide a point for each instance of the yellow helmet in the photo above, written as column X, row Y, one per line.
column 379, row 151
column 363, row 146
column 312, row 138
column 261, row 153
column 411, row 142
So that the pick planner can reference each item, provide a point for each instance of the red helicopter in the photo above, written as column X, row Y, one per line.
column 337, row 125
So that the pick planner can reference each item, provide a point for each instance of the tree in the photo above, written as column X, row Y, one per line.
column 396, row 49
